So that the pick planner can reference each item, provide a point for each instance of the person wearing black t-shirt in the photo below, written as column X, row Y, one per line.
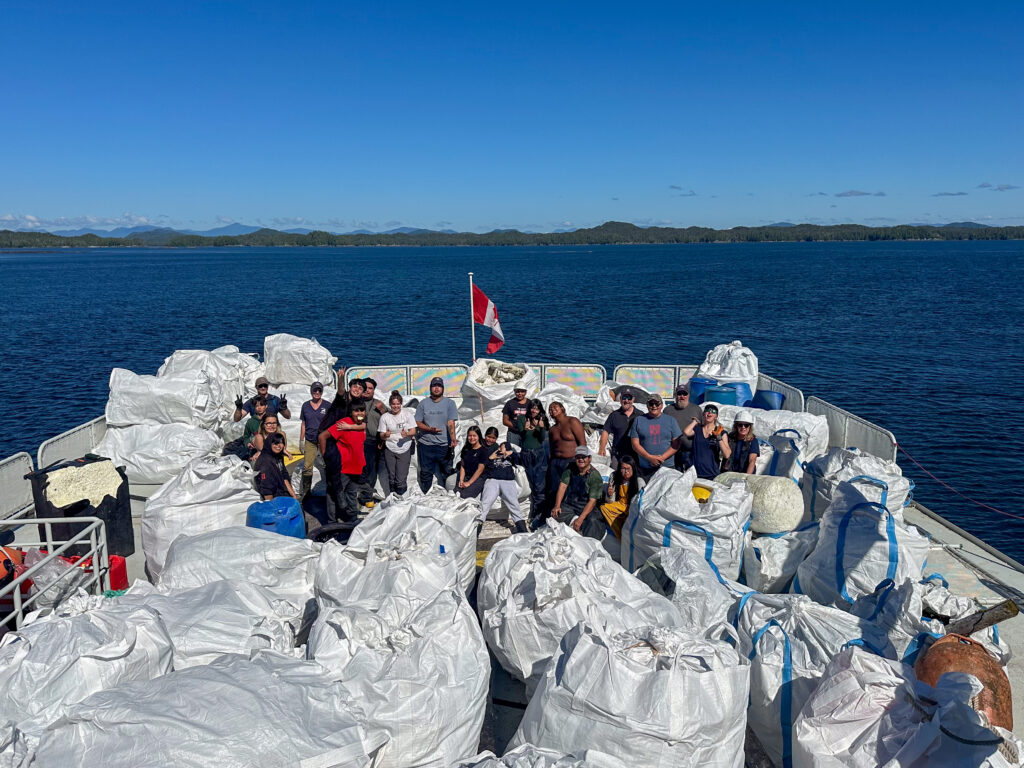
column 271, row 476
column 514, row 408
column 615, row 432
column 500, row 480
column 472, row 464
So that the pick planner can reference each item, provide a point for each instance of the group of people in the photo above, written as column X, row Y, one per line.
column 362, row 440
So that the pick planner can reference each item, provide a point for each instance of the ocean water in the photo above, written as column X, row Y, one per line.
column 922, row 338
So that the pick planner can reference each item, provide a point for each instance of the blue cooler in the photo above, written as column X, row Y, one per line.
column 281, row 515
column 697, row 386
column 769, row 400
column 722, row 395
column 743, row 393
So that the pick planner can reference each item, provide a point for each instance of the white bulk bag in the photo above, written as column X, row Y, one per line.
column 789, row 640
column 898, row 610
column 665, row 514
column 211, row 493
column 50, row 664
column 295, row 360
column 420, row 669
column 869, row 711
column 880, row 480
column 535, row 587
column 400, row 567
column 214, row 619
column 574, row 403
column 190, row 397
column 811, row 428
column 529, row 756
column 770, row 561
column 285, row 566
column 651, row 696
column 223, row 367
column 235, row 712
column 730, row 362
column 434, row 520
column 687, row 580
column 787, row 448
column 603, row 406
column 492, row 383
column 777, row 505
column 937, row 600
column 860, row 544
column 154, row 454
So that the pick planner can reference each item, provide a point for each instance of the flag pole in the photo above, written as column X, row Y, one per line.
column 472, row 325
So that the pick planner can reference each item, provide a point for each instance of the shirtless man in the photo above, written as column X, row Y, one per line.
column 565, row 435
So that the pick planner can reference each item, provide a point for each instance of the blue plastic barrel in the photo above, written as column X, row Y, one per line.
column 724, row 395
column 281, row 515
column 769, row 400
column 743, row 393
column 697, row 386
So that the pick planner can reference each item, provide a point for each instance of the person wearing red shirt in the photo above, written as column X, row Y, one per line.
column 347, row 462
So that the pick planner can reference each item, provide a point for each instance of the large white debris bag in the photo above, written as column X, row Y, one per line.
column 154, row 454
column 882, row 481
column 652, row 696
column 266, row 712
column 211, row 493
column 898, row 610
column 529, row 756
column 789, row 640
column 214, row 619
column 787, row 454
column 688, row 581
column 401, row 567
column 190, row 397
column 808, row 430
column 777, row 505
column 420, row 669
column 770, row 560
column 285, row 566
column 574, row 403
column 535, row 587
column 860, row 545
column 52, row 663
column 492, row 383
column 869, row 711
column 728, row 363
column 665, row 514
column 604, row 405
column 224, row 367
column 434, row 520
column 295, row 360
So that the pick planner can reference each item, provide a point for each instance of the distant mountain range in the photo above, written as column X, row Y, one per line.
column 230, row 230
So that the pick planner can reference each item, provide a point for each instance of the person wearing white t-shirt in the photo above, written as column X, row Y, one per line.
column 398, row 428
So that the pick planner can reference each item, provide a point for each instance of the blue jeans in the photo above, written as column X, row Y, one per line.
column 433, row 464
column 535, row 462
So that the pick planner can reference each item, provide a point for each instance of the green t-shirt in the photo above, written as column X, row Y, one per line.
column 533, row 438
column 252, row 426
column 593, row 480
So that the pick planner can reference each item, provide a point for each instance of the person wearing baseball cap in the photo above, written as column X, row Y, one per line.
column 683, row 411
column 514, row 408
column 579, row 491
column 710, row 442
column 615, row 432
column 275, row 404
column 435, row 419
column 310, row 417
column 655, row 437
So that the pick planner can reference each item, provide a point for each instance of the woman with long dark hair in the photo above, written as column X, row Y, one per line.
column 472, row 464
column 271, row 476
column 623, row 487
column 533, row 427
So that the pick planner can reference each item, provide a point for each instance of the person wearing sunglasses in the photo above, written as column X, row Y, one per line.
column 710, row 443
column 654, row 436
column 683, row 411
column 743, row 445
column 275, row 404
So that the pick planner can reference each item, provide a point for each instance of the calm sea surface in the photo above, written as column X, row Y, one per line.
column 924, row 339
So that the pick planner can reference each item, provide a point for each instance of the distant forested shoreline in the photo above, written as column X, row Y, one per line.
column 609, row 233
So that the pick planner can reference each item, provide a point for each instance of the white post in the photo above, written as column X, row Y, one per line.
column 472, row 322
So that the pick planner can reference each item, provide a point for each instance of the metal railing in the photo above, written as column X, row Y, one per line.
column 16, row 500
column 73, row 444
column 847, row 430
column 16, row 598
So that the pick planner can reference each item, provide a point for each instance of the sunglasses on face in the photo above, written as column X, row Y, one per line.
column 742, row 426
column 653, row 404
column 582, row 458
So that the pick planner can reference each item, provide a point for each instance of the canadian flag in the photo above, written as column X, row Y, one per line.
column 485, row 313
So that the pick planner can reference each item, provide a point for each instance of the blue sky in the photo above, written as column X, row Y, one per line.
column 529, row 115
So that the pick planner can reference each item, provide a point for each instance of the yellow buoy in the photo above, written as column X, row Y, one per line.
column 701, row 494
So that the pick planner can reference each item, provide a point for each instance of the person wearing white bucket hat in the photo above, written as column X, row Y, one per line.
column 743, row 446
